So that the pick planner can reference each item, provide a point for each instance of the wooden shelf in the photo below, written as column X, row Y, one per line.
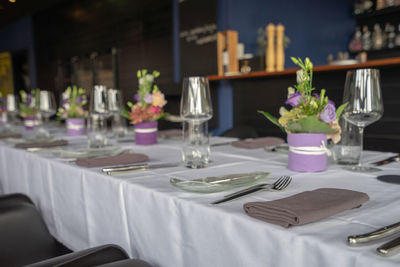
column 259, row 74
column 376, row 13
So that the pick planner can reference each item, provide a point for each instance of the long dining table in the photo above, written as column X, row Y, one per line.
column 166, row 226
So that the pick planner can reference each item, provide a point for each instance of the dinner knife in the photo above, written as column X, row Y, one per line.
column 137, row 167
column 387, row 161
column 243, row 193
column 390, row 248
column 378, row 234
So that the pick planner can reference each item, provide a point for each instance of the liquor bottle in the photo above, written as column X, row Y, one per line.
column 366, row 38
column 391, row 35
column 377, row 38
column 355, row 44
column 397, row 39
column 225, row 57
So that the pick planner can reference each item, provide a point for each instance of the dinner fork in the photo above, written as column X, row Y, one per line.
column 278, row 185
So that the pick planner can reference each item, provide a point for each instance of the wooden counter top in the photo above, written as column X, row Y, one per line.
column 259, row 74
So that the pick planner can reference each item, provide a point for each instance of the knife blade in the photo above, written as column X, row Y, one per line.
column 390, row 248
column 137, row 167
column 242, row 194
column 387, row 161
column 378, row 234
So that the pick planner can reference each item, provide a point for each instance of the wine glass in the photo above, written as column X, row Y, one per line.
column 47, row 108
column 98, row 113
column 12, row 112
column 362, row 92
column 196, row 110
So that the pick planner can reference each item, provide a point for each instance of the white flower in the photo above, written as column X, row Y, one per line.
column 149, row 77
column 141, row 81
column 282, row 111
column 291, row 91
column 301, row 77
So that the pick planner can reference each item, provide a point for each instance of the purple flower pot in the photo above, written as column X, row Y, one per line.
column 307, row 152
column 75, row 126
column 29, row 123
column 146, row 133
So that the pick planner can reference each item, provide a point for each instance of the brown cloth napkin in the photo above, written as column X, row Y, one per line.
column 170, row 133
column 112, row 160
column 10, row 135
column 42, row 144
column 258, row 142
column 306, row 207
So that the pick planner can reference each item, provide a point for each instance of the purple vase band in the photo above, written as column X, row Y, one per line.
column 29, row 123
column 146, row 133
column 307, row 152
column 75, row 126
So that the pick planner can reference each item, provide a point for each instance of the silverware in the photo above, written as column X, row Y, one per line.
column 38, row 149
column 137, row 167
column 378, row 234
column 390, row 248
column 279, row 184
column 387, row 161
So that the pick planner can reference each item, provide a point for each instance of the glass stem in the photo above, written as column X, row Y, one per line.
column 361, row 130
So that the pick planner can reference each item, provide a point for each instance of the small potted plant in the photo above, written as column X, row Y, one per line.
column 148, row 109
column 72, row 110
column 29, row 107
column 312, row 119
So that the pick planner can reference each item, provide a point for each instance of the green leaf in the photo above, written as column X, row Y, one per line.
column 340, row 109
column 273, row 119
column 309, row 124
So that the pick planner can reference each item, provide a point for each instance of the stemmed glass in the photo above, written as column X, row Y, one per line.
column 363, row 94
column 98, row 113
column 115, row 109
column 47, row 108
column 196, row 110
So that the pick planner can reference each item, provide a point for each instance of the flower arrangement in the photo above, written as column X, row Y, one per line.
column 73, row 101
column 311, row 112
column 29, row 105
column 150, row 100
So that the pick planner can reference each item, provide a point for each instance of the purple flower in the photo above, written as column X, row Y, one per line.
column 329, row 101
column 79, row 100
column 148, row 98
column 328, row 114
column 29, row 99
column 137, row 97
column 294, row 99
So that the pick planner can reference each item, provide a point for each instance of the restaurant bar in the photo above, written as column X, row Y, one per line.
column 199, row 133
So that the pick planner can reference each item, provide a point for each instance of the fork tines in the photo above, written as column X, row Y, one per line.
column 282, row 182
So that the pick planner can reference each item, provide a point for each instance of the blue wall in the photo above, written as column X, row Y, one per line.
column 19, row 36
column 315, row 27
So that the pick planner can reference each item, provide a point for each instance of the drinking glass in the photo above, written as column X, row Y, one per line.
column 47, row 108
column 98, row 113
column 12, row 112
column 363, row 94
column 115, row 108
column 347, row 150
column 196, row 110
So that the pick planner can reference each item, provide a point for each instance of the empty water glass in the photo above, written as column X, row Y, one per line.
column 196, row 110
column 12, row 110
column 47, row 108
column 348, row 150
column 115, row 108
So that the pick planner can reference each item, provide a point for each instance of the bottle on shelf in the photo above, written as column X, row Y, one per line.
column 225, row 57
column 377, row 38
column 397, row 39
column 355, row 44
column 366, row 39
column 391, row 35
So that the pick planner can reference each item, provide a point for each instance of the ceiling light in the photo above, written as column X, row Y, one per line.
column 12, row 1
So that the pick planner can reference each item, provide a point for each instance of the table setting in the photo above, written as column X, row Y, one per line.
column 193, row 199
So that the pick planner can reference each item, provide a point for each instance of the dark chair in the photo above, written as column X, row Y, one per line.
column 241, row 132
column 105, row 256
column 26, row 240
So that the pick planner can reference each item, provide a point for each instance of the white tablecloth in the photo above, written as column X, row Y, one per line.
column 154, row 221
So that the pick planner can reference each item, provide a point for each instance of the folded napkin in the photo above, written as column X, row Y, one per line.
column 258, row 142
column 170, row 133
column 10, row 135
column 112, row 160
column 306, row 207
column 42, row 144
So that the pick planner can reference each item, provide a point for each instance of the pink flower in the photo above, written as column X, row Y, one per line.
column 158, row 99
column 155, row 110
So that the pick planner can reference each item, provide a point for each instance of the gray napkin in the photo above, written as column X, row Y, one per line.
column 258, row 142
column 112, row 160
column 10, row 135
column 306, row 207
column 42, row 144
